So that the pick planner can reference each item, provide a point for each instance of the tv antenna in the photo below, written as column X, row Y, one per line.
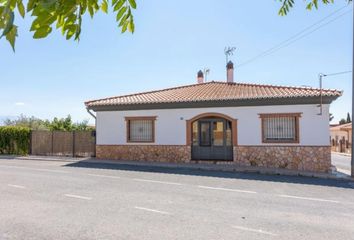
column 229, row 51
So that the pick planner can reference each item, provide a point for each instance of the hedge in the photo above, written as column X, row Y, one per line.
column 14, row 140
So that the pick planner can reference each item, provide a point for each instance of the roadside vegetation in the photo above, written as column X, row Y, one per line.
column 14, row 140
column 15, row 135
column 57, row 124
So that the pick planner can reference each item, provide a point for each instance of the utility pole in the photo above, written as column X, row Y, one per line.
column 321, row 76
column 352, row 155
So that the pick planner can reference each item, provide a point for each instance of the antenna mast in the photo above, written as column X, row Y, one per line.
column 229, row 51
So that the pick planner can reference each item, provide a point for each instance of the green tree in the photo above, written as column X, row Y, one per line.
column 342, row 121
column 65, row 15
column 349, row 120
column 57, row 124
column 27, row 122
column 66, row 124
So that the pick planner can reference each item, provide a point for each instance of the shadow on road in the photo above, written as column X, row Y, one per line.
column 216, row 174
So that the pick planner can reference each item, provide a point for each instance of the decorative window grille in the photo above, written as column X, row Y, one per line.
column 140, row 130
column 282, row 128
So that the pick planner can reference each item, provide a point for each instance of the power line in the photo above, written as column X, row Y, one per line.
column 303, row 33
column 337, row 73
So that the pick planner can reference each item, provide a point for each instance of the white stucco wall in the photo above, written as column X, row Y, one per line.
column 170, row 128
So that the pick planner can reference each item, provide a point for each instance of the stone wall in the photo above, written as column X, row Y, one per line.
column 157, row 153
column 302, row 158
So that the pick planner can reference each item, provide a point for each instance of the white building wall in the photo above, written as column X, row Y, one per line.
column 170, row 126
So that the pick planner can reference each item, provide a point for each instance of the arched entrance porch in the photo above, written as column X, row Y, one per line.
column 212, row 136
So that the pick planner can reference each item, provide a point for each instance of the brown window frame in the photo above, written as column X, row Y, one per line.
column 128, row 119
column 277, row 115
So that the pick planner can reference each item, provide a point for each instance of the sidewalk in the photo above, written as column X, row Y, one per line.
column 342, row 154
column 193, row 166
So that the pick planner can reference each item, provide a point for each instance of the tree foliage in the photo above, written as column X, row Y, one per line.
column 310, row 4
column 347, row 120
column 14, row 140
column 32, row 123
column 57, row 124
column 65, row 15
column 66, row 124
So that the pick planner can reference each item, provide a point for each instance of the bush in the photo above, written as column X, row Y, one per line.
column 14, row 140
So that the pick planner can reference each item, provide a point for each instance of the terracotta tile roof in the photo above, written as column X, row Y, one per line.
column 213, row 91
column 341, row 127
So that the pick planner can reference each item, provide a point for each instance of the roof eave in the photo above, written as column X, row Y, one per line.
column 213, row 103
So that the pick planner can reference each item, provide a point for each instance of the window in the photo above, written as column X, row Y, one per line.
column 140, row 129
column 280, row 128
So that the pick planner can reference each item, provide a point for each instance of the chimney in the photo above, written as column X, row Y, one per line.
column 230, row 72
column 200, row 77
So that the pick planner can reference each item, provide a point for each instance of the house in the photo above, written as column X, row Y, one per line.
column 341, row 137
column 218, row 122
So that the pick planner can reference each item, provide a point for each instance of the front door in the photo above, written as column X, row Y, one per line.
column 212, row 140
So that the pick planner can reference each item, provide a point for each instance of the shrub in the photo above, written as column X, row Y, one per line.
column 14, row 140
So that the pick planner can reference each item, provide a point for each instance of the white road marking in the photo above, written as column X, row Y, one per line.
column 77, row 196
column 254, row 230
column 310, row 199
column 36, row 169
column 16, row 186
column 104, row 176
column 152, row 210
column 227, row 189
column 155, row 181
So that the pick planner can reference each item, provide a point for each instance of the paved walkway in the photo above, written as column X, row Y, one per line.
column 342, row 162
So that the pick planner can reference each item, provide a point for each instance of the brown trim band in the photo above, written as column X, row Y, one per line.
column 267, row 115
column 281, row 145
column 141, row 118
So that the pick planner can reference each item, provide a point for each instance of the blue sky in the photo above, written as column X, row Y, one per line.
column 173, row 40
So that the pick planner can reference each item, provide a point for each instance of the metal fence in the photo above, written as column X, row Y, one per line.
column 341, row 145
column 63, row 143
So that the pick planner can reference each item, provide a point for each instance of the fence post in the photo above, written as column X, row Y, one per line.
column 52, row 143
column 30, row 143
column 94, row 133
column 74, row 143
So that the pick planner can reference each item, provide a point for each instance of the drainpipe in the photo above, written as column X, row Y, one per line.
column 93, row 115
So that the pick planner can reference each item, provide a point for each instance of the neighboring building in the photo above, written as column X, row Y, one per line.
column 341, row 137
column 245, row 124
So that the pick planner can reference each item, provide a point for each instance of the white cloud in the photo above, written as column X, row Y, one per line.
column 20, row 104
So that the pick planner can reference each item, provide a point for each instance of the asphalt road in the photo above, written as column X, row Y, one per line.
column 57, row 200
column 342, row 162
